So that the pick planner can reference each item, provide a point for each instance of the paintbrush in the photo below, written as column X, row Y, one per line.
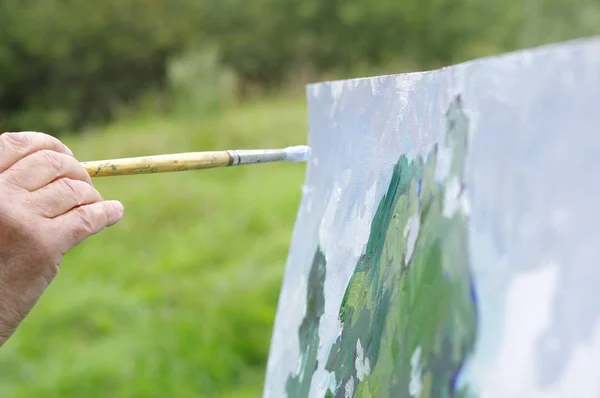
column 193, row 161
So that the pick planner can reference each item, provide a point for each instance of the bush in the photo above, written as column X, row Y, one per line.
column 198, row 83
column 67, row 63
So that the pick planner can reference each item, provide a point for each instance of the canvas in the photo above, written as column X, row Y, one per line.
column 447, row 242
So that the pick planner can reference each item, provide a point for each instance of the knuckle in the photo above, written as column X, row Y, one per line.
column 70, row 190
column 87, row 220
column 51, row 159
column 18, row 142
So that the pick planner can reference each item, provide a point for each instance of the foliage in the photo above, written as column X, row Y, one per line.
column 66, row 63
column 263, row 40
column 198, row 84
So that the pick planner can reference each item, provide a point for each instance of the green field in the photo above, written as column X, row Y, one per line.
column 178, row 299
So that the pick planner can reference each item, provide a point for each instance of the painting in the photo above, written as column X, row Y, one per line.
column 446, row 242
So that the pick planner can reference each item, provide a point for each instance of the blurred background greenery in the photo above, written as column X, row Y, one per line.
column 179, row 299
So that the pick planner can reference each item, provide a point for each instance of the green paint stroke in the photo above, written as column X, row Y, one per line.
column 409, row 310
column 299, row 384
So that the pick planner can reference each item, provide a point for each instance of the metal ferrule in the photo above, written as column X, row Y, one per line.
column 255, row 156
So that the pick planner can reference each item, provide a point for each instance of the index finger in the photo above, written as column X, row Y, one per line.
column 16, row 146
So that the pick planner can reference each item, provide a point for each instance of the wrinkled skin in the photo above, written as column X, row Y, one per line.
column 48, row 205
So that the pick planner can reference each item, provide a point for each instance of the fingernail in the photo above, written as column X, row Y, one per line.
column 120, row 207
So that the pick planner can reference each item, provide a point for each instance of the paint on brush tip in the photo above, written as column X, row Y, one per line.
column 299, row 153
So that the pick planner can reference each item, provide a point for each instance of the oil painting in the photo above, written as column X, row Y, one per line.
column 446, row 242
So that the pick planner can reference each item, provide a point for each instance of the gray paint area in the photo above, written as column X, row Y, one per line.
column 531, row 197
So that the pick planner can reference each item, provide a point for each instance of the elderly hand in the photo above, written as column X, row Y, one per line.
column 48, row 205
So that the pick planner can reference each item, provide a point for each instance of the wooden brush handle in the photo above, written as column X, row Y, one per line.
column 158, row 164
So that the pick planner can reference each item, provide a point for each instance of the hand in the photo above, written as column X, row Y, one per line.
column 48, row 205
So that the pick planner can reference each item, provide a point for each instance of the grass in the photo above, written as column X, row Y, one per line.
column 179, row 299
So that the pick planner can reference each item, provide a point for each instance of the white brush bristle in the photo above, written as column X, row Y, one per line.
column 299, row 153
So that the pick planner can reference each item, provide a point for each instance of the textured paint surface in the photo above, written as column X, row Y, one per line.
column 446, row 244
column 395, row 306
column 308, row 333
